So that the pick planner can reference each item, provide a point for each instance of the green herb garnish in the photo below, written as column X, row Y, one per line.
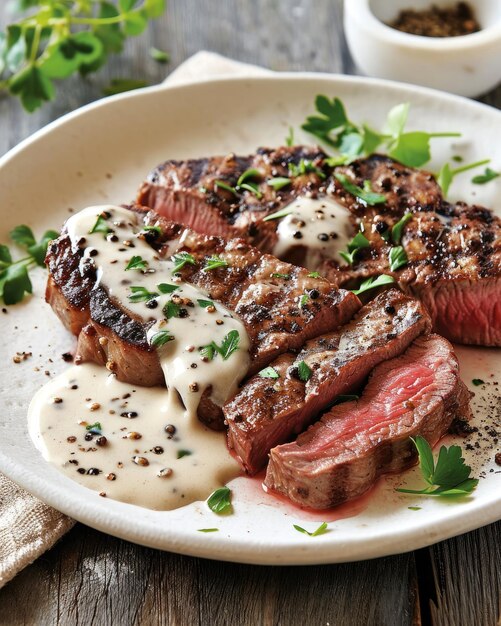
column 205, row 303
column 228, row 346
column 449, row 476
column 160, row 56
column 358, row 242
column 160, row 338
column 208, row 530
column 414, row 508
column 373, row 282
column 95, row 428
column 398, row 258
column 366, row 194
column 477, row 382
column 304, row 372
column 322, row 529
column 447, row 174
column 181, row 259
column 278, row 214
column 303, row 300
column 220, row 501
column 487, row 176
column 279, row 182
column 314, row 275
column 136, row 263
column 141, row 294
column 278, row 275
column 182, row 453
column 220, row 184
column 167, row 288
column 14, row 279
column 305, row 167
column 397, row 229
column 171, row 309
column 246, row 177
column 101, row 226
column 289, row 140
column 121, row 85
column 269, row 372
column 55, row 40
column 214, row 262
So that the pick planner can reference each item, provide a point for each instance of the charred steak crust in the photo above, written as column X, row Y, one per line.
column 267, row 412
column 269, row 306
column 340, row 457
column 453, row 251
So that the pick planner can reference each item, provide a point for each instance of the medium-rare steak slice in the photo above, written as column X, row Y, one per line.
column 270, row 411
column 340, row 457
column 280, row 306
column 453, row 251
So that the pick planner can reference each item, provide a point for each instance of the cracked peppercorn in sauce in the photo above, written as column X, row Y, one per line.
column 144, row 445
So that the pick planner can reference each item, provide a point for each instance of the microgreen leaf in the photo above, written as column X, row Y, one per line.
column 220, row 501
column 396, row 231
column 487, row 176
column 181, row 259
column 100, row 226
column 398, row 258
column 304, row 371
column 167, row 288
column 160, row 338
column 447, row 174
column 171, row 309
column 373, row 282
column 220, row 184
column 214, row 262
column 278, row 214
column 358, row 242
column 14, row 283
column 205, row 303
column 367, row 196
column 136, row 263
column 269, row 372
column 289, row 140
column 39, row 250
column 22, row 235
column 141, row 294
column 447, row 476
column 279, row 182
column 322, row 529
column 305, row 167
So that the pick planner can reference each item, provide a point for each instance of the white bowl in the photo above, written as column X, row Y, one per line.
column 468, row 65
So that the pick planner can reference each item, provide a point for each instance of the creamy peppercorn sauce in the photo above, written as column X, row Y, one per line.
column 111, row 436
column 321, row 225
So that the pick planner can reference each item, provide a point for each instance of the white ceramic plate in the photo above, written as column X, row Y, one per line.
column 100, row 154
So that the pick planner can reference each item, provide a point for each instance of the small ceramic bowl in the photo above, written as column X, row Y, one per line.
column 467, row 65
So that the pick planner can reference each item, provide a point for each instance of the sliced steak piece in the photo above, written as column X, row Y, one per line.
column 265, row 293
column 340, row 457
column 270, row 411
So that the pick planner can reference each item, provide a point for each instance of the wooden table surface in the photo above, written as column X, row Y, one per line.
column 90, row 578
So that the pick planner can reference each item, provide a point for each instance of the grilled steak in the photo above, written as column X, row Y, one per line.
column 264, row 292
column 453, row 251
column 267, row 412
column 340, row 457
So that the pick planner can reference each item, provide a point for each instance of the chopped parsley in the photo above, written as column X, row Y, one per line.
column 486, row 177
column 314, row 275
column 358, row 242
column 228, row 346
column 278, row 214
column 279, row 182
column 305, row 167
column 321, row 530
column 398, row 258
column 447, row 173
column 245, row 182
column 141, row 294
column 373, row 282
column 477, row 382
column 181, row 259
column 220, row 184
column 182, row 453
column 220, row 501
column 205, row 303
column 136, row 263
column 269, row 372
column 365, row 194
column 100, row 226
column 303, row 300
column 214, row 262
column 208, row 530
column 397, row 229
column 167, row 288
column 448, row 476
column 160, row 338
column 278, row 275
column 304, row 371
column 171, row 309
column 95, row 428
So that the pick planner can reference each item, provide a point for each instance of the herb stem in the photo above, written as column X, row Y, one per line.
column 470, row 166
column 35, row 44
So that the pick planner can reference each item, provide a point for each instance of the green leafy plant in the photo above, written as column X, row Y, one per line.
column 447, row 476
column 14, row 275
column 58, row 38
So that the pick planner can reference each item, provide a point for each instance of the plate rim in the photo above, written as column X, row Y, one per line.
column 304, row 551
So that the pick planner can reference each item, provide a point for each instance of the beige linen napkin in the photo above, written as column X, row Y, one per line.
column 29, row 527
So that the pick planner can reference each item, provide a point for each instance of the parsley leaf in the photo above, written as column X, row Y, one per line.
column 278, row 214
column 304, row 371
column 305, row 167
column 303, row 300
column 39, row 250
column 220, row 501
column 205, row 303
column 358, row 242
column 167, row 288
column 366, row 195
column 477, row 382
column 171, row 309
column 373, row 282
column 269, row 372
column 331, row 122
column 136, row 263
column 214, row 262
column 14, row 283
column 448, row 476
column 95, row 428
column 101, row 226
column 141, row 294
column 183, row 453
column 228, row 346
column 314, row 275
column 398, row 258
column 321, row 530
column 22, row 235
column 160, row 338
column 279, row 182
column 447, row 174
column 397, row 229
column 181, row 259
column 487, row 176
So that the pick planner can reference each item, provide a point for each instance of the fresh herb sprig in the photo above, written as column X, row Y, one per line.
column 14, row 275
column 447, row 173
column 321, row 530
column 220, row 501
column 447, row 476
column 55, row 40
column 373, row 282
column 358, row 242
column 365, row 194
column 229, row 345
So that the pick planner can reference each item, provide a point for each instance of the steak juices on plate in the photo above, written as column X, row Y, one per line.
column 310, row 338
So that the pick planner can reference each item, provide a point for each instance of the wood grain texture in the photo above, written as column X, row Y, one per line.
column 90, row 578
